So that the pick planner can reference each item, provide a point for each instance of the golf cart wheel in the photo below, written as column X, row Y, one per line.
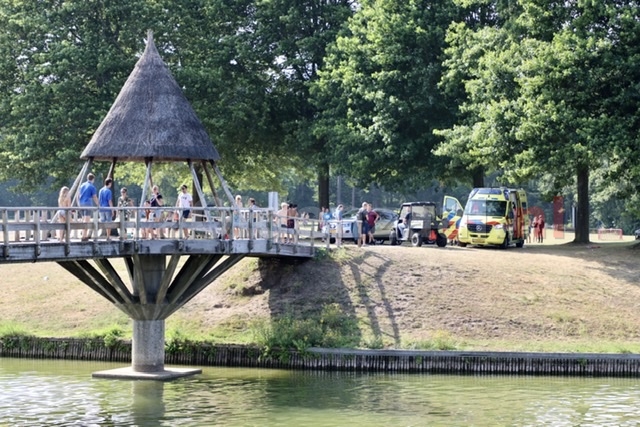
column 416, row 239
column 461, row 244
column 441, row 240
column 393, row 238
column 520, row 243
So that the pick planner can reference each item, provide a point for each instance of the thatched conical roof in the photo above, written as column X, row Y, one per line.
column 151, row 118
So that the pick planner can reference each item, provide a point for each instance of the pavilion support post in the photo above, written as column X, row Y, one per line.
column 211, row 184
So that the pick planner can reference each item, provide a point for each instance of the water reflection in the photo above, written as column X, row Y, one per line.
column 45, row 393
column 148, row 401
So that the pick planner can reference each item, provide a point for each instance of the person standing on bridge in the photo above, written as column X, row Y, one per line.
column 87, row 195
column 105, row 198
column 281, row 222
column 156, row 201
column 185, row 200
column 64, row 201
column 237, row 218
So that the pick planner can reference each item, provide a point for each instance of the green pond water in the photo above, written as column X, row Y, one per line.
column 63, row 393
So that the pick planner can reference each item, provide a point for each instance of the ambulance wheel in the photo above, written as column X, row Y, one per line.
column 462, row 245
column 416, row 239
column 441, row 240
column 520, row 244
column 505, row 243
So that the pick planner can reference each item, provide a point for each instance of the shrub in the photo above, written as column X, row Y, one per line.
column 331, row 328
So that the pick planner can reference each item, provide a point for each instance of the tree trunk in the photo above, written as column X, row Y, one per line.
column 323, row 184
column 582, row 209
column 477, row 176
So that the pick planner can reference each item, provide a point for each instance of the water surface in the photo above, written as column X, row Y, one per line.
column 61, row 393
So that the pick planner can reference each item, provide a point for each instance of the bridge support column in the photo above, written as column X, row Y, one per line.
column 148, row 346
column 158, row 288
column 148, row 309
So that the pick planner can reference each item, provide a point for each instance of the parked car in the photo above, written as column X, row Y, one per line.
column 350, row 227
column 637, row 234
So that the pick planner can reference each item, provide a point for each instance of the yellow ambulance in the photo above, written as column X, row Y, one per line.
column 495, row 216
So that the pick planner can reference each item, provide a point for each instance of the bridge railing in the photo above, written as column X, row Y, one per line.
column 47, row 224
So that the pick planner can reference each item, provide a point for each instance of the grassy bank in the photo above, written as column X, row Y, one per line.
column 555, row 297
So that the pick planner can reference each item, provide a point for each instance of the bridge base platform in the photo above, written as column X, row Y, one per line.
column 127, row 373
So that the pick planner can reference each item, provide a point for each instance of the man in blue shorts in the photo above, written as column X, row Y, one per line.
column 105, row 198
column 87, row 195
column 185, row 200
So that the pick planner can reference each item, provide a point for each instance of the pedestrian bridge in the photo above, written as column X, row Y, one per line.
column 167, row 262
column 29, row 234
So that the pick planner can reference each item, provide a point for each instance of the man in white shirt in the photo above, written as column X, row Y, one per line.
column 185, row 201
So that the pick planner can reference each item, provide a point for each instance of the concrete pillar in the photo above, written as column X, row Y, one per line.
column 148, row 346
column 148, row 332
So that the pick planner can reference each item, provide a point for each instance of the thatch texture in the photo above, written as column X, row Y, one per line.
column 151, row 118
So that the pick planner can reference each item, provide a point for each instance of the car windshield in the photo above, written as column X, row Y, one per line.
column 486, row 207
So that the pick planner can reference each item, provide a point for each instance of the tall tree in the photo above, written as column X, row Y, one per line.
column 61, row 65
column 292, row 36
column 380, row 93
column 539, row 93
column 210, row 47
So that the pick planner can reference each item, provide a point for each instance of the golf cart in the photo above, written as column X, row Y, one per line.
column 419, row 223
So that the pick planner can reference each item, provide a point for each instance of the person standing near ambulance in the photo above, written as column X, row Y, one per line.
column 539, row 224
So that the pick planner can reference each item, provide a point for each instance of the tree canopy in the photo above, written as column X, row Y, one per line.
column 545, row 95
column 379, row 93
column 389, row 93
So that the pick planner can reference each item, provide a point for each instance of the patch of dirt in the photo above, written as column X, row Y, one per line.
column 484, row 295
column 487, row 299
